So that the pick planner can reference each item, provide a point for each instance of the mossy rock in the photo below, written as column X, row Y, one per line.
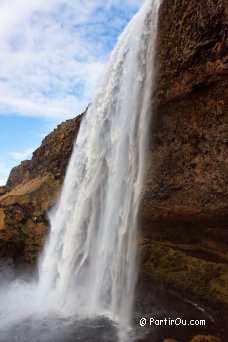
column 206, row 279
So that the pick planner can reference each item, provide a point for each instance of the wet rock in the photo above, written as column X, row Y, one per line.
column 185, row 195
column 179, row 267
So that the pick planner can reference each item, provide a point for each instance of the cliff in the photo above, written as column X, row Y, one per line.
column 32, row 188
column 183, row 230
column 184, row 210
column 50, row 158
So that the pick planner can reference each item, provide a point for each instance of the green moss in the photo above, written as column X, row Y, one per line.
column 147, row 243
column 207, row 279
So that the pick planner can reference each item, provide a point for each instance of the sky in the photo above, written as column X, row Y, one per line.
column 52, row 53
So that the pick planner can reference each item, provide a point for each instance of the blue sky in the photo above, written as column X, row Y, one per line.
column 52, row 52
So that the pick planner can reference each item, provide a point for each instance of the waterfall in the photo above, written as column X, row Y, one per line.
column 89, row 262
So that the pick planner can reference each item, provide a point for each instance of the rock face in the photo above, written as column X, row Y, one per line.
column 50, row 158
column 184, row 208
column 32, row 188
column 23, row 221
column 191, row 50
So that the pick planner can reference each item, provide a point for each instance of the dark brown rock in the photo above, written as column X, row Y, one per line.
column 2, row 190
column 185, row 197
column 191, row 51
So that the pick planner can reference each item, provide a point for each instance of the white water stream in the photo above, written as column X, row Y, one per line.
column 89, row 266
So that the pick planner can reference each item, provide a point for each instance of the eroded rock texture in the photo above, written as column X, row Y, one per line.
column 184, row 210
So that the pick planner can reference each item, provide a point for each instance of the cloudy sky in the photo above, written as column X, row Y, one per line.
column 52, row 53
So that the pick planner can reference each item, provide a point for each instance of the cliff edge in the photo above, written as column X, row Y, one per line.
column 32, row 188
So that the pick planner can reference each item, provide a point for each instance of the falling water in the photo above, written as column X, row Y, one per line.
column 88, row 266
column 89, row 262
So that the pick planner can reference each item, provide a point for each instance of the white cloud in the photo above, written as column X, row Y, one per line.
column 22, row 154
column 53, row 51
column 4, row 173
column 51, row 54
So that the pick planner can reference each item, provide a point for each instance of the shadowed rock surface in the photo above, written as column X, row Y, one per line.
column 183, row 216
